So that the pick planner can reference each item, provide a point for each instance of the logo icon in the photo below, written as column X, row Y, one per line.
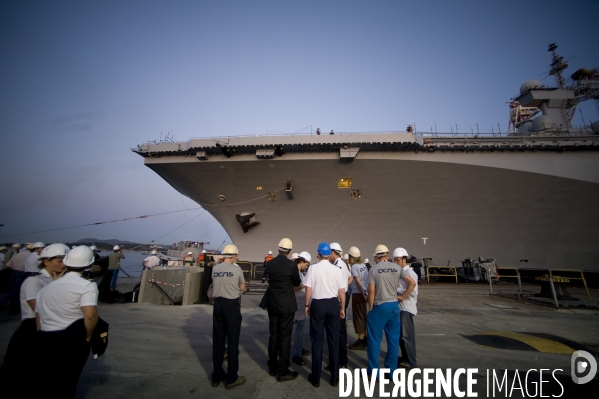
column 582, row 363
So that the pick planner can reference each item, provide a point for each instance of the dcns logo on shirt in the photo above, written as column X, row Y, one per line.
column 222, row 274
column 387, row 270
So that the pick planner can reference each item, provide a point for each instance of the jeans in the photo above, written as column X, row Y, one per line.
column 407, row 343
column 298, row 338
column 115, row 275
column 383, row 317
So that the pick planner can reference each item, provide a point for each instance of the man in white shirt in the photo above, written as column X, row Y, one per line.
column 31, row 262
column 151, row 261
column 325, row 286
column 336, row 259
column 407, row 295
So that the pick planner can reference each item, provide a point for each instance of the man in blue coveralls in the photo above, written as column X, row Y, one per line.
column 383, row 279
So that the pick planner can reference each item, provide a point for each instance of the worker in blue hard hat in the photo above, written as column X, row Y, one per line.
column 325, row 304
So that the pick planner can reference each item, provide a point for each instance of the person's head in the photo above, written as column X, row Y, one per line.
column 3, row 249
column 153, row 252
column 204, row 251
column 116, row 248
column 400, row 256
column 354, row 256
column 230, row 253
column 294, row 256
column 15, row 247
column 324, row 250
column 38, row 246
column 303, row 260
column 336, row 251
column 285, row 246
column 94, row 248
column 79, row 259
column 381, row 253
column 51, row 258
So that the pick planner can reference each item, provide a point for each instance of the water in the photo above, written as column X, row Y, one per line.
column 132, row 262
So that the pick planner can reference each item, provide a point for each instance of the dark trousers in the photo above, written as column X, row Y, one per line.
column 14, row 374
column 280, row 326
column 407, row 342
column 13, row 294
column 66, row 352
column 226, row 327
column 343, row 333
column 4, row 279
column 324, row 314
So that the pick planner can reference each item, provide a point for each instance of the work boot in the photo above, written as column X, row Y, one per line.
column 305, row 352
column 240, row 380
column 360, row 344
column 298, row 360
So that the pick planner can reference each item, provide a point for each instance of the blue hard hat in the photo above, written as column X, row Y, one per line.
column 324, row 249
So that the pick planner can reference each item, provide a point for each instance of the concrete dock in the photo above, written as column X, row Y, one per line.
column 166, row 351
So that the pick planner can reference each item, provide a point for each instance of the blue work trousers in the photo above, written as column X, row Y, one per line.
column 383, row 317
column 298, row 338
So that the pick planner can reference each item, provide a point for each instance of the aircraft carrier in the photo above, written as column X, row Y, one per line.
column 526, row 198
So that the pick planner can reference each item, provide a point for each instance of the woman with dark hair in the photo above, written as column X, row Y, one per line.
column 297, row 351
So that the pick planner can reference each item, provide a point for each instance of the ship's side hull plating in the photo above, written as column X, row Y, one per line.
column 507, row 206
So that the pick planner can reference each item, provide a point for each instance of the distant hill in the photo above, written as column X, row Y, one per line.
column 109, row 241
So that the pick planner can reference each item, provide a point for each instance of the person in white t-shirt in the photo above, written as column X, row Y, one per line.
column 151, row 261
column 67, row 315
column 407, row 296
column 21, row 349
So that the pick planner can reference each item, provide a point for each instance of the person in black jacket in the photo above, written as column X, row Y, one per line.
column 281, row 305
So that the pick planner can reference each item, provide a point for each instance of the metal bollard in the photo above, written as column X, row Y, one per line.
column 553, row 292
column 490, row 280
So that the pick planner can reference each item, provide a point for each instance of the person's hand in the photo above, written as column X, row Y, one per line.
column 56, row 276
column 400, row 299
column 307, row 310
column 342, row 313
column 365, row 295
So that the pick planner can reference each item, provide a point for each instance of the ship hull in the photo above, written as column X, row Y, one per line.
column 522, row 209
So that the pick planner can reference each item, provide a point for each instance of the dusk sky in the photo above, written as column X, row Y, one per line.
column 83, row 82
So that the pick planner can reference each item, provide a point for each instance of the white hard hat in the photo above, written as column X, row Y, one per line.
column 305, row 256
column 230, row 250
column 204, row 251
column 93, row 247
column 116, row 248
column 16, row 245
column 270, row 252
column 400, row 252
column 3, row 248
column 294, row 256
column 366, row 261
column 285, row 244
column 355, row 252
column 79, row 257
column 153, row 252
column 345, row 257
column 190, row 253
column 381, row 250
column 336, row 247
column 54, row 251
column 74, row 246
column 39, row 245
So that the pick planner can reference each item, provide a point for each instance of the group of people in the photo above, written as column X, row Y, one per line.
column 59, row 316
column 383, row 298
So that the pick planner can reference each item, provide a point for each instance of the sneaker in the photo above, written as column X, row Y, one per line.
column 240, row 380
column 298, row 360
column 360, row 344
column 305, row 352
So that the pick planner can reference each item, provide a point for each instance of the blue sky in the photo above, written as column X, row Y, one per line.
column 82, row 82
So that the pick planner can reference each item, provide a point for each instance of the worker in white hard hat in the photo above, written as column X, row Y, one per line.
column 383, row 279
column 17, row 276
column 336, row 259
column 359, row 304
column 302, row 260
column 228, row 283
column 281, row 306
column 31, row 262
column 151, row 261
column 407, row 296
column 22, row 348
column 114, row 264
column 67, row 315
column 201, row 258
column 267, row 259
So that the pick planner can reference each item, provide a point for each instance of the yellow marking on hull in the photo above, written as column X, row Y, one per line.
column 540, row 344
